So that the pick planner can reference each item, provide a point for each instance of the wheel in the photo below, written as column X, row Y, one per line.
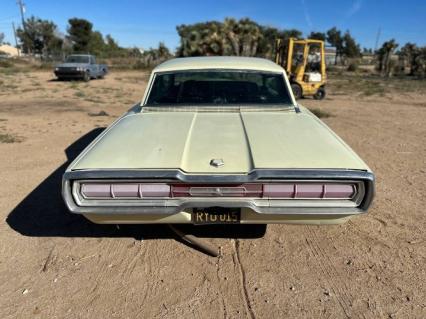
column 86, row 76
column 320, row 94
column 297, row 90
column 101, row 76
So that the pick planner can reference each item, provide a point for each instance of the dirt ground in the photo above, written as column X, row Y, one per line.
column 57, row 265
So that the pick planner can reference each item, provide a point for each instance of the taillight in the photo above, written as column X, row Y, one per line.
column 125, row 190
column 308, row 190
column 299, row 190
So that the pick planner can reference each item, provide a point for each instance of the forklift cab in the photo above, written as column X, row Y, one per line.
column 304, row 62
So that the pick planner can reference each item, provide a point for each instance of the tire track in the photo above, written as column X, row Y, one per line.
column 243, row 282
column 333, row 276
column 222, row 299
column 314, row 251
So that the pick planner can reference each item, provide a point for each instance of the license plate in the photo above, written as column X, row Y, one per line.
column 216, row 215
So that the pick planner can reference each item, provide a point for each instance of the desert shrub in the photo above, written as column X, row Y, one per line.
column 8, row 138
column 5, row 64
column 353, row 66
column 100, row 113
column 320, row 113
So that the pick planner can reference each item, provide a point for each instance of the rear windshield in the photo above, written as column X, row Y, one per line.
column 77, row 59
column 218, row 88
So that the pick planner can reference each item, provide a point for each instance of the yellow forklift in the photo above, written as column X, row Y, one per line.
column 304, row 62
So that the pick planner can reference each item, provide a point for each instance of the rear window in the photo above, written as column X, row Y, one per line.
column 77, row 59
column 218, row 88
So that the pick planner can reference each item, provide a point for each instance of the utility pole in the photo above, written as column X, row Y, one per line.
column 16, row 40
column 22, row 10
column 377, row 39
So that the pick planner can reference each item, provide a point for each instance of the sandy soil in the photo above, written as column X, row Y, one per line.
column 57, row 265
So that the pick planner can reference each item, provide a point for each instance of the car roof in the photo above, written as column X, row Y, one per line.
column 219, row 62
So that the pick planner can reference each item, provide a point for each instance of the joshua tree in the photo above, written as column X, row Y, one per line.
column 384, row 55
column 242, row 37
column 419, row 63
column 201, row 39
column 155, row 56
column 409, row 53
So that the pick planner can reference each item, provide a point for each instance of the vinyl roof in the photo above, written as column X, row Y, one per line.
column 219, row 62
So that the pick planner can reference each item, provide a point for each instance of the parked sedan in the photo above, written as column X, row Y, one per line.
column 218, row 140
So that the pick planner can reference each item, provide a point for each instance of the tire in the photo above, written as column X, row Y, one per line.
column 320, row 94
column 102, row 75
column 297, row 90
column 86, row 76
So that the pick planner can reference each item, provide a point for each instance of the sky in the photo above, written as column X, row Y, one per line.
column 145, row 23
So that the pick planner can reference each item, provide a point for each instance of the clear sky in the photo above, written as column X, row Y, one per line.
column 145, row 23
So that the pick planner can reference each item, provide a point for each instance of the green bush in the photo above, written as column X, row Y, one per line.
column 353, row 66
column 5, row 63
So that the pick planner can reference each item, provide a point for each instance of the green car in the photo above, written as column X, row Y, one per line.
column 218, row 140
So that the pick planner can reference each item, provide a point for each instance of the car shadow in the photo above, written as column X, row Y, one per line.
column 42, row 213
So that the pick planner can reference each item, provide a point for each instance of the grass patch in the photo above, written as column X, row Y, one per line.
column 37, row 84
column 5, row 63
column 10, row 86
column 94, row 99
column 100, row 113
column 372, row 84
column 320, row 113
column 74, row 85
column 79, row 94
column 8, row 138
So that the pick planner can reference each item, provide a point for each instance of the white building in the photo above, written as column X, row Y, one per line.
column 9, row 50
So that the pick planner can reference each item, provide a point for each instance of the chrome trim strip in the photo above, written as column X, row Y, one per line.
column 262, row 175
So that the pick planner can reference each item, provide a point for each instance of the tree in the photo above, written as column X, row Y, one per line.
column 1, row 38
column 96, row 44
column 317, row 36
column 419, row 63
column 242, row 37
column 350, row 48
column 409, row 53
column 367, row 50
column 80, row 34
column 384, row 57
column 39, row 37
column 334, row 37
column 153, row 57
column 267, row 44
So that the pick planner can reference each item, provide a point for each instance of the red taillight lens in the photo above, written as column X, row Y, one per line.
column 124, row 190
column 339, row 191
column 243, row 190
column 155, row 190
column 278, row 190
column 298, row 190
column 308, row 190
column 96, row 190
